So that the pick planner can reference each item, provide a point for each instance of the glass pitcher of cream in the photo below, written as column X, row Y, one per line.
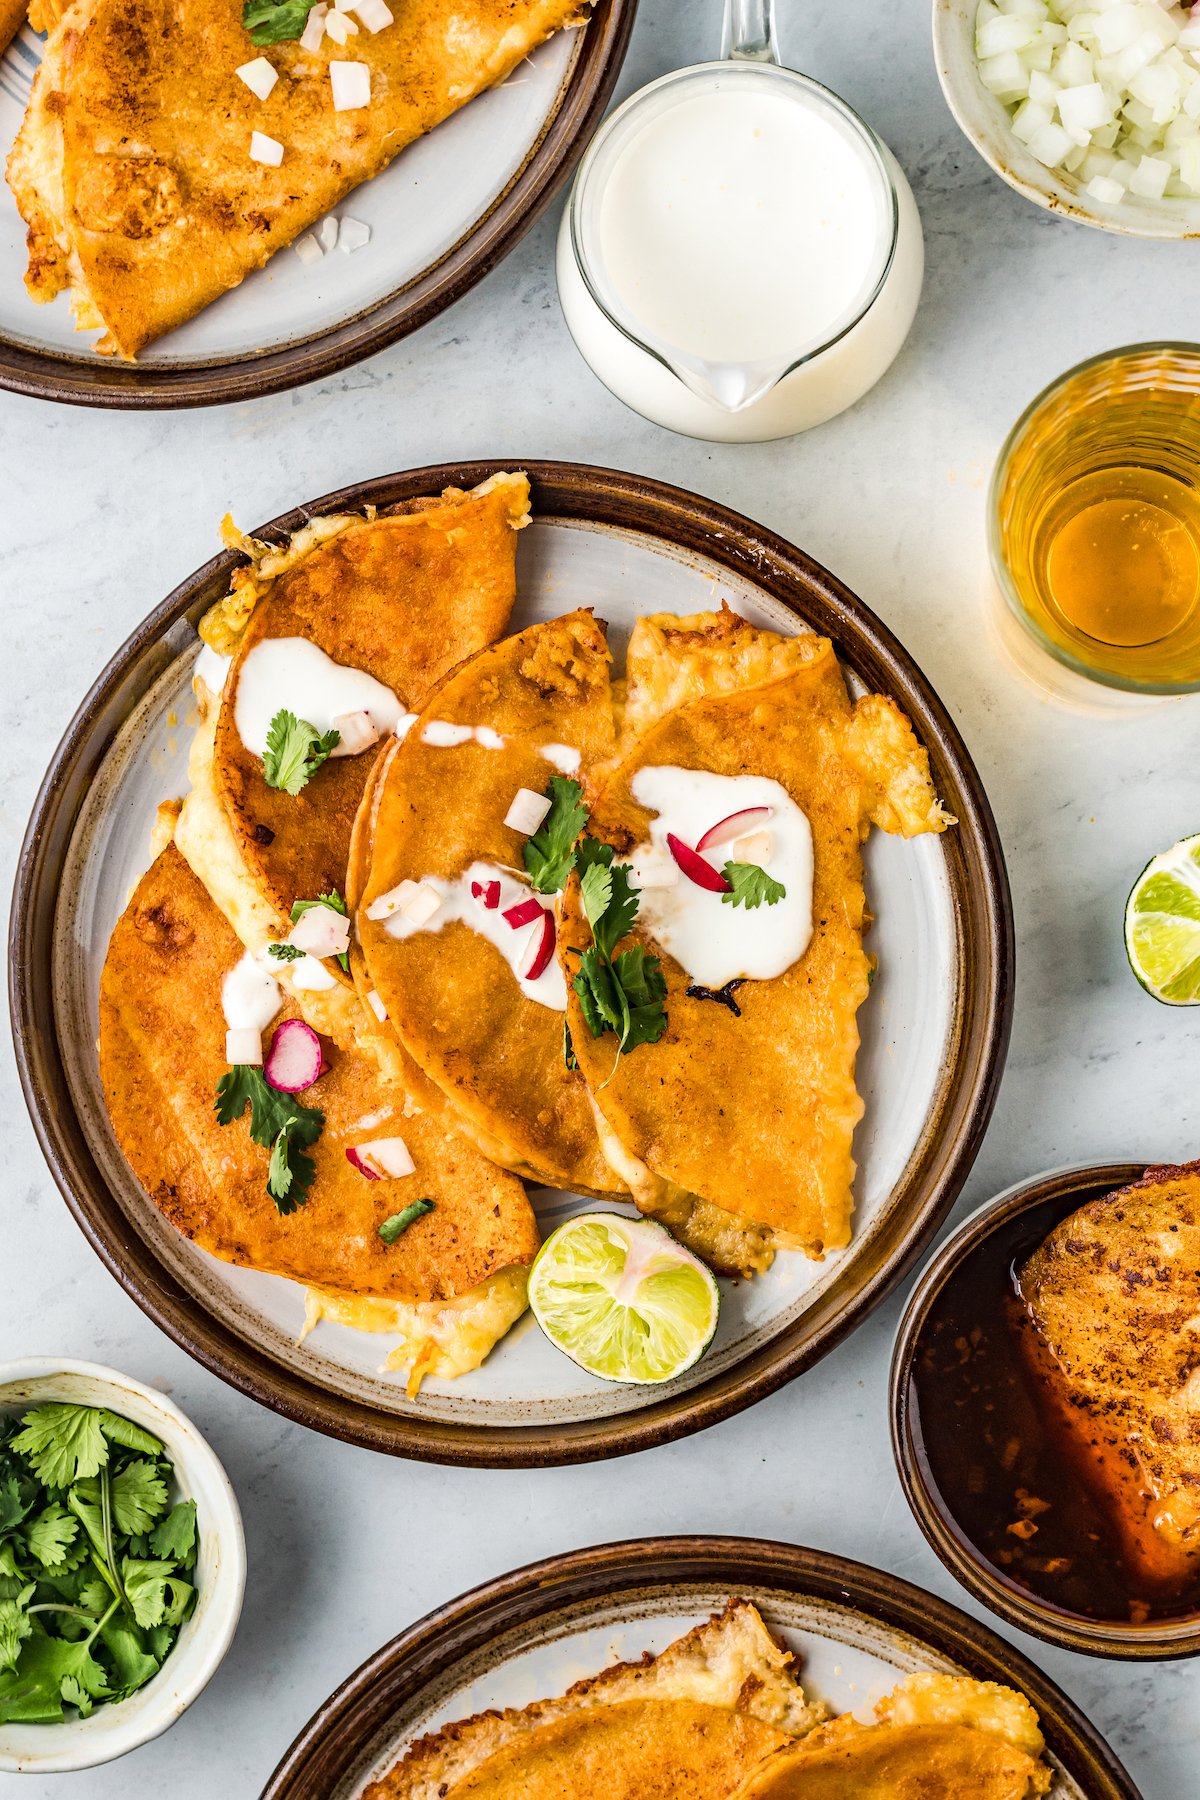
column 741, row 256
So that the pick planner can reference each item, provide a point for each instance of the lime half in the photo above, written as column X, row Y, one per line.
column 622, row 1298
column 1162, row 925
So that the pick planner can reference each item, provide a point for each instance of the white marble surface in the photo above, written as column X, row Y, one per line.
column 101, row 514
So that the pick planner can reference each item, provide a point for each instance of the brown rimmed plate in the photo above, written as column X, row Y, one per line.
column 446, row 211
column 857, row 1631
column 934, row 1029
column 1043, row 1203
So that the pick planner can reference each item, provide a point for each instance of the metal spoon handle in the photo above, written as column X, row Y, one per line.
column 747, row 34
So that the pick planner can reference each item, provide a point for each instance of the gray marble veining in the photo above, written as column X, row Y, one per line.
column 101, row 514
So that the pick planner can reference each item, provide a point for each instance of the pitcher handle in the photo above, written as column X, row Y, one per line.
column 748, row 34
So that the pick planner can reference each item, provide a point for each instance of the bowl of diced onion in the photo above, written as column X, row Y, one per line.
column 1091, row 108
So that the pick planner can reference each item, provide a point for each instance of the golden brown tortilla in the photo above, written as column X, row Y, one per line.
column 133, row 170
column 753, row 1115
column 449, row 994
column 898, row 1762
column 162, row 1053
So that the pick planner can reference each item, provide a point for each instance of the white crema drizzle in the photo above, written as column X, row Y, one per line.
column 457, row 902
column 295, row 675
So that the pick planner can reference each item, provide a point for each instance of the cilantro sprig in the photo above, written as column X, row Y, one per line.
column 295, row 751
column 278, row 1123
column 549, row 854
column 624, row 993
column 274, row 21
column 333, row 900
column 750, row 886
column 95, row 1561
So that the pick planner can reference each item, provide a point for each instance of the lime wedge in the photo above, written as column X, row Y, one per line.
column 1162, row 925
column 622, row 1298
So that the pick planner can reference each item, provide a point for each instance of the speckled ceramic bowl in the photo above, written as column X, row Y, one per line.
column 220, row 1572
column 986, row 123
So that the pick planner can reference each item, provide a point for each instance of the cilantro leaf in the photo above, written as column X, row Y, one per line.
column 399, row 1222
column 279, row 1123
column 614, row 902
column 51, row 1534
column 126, row 1647
column 17, row 1498
column 750, row 886
column 290, row 1173
column 623, row 994
column 285, row 952
column 145, row 1583
column 175, row 1536
column 33, row 1693
column 295, row 750
column 15, row 1627
column 333, row 900
column 139, row 1496
column 130, row 1436
column 549, row 855
column 62, row 1442
column 274, row 21
column 75, row 1694
column 644, row 988
column 595, row 888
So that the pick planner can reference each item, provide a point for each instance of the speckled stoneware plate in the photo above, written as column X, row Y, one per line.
column 856, row 1630
column 934, row 1029
column 447, row 210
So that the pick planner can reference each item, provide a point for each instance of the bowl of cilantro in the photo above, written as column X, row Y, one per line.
column 122, row 1564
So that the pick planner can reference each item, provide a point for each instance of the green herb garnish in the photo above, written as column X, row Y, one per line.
column 295, row 751
column 549, row 854
column 399, row 1222
column 285, row 952
column 333, row 900
column 274, row 21
column 92, row 1561
column 623, row 994
column 569, row 1056
column 277, row 1122
column 750, row 886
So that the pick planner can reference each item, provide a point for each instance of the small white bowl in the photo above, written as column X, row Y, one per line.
column 986, row 123
column 220, row 1575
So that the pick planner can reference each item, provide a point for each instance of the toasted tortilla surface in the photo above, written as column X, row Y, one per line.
column 162, row 1053
column 133, row 170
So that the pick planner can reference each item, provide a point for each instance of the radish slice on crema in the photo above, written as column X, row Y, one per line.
column 523, row 913
column 487, row 893
column 695, row 867
column 539, row 950
column 294, row 1060
column 736, row 825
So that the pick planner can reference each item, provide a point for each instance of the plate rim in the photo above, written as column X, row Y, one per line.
column 86, row 379
column 327, row 1746
column 981, row 904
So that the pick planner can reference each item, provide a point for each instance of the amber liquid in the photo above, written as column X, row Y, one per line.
column 1098, row 515
column 1007, row 1483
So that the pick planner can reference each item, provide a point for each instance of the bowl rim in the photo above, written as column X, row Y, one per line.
column 327, row 1748
column 220, row 1623
column 982, row 920
column 1111, row 1640
column 1141, row 220
column 84, row 379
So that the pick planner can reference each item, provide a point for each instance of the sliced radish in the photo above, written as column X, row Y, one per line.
column 243, row 1046
column 736, row 825
column 487, row 893
column 695, row 867
column 294, row 1060
column 395, row 900
column 363, row 1164
column 523, row 913
column 527, row 811
column 390, row 1155
column 321, row 932
column 537, row 953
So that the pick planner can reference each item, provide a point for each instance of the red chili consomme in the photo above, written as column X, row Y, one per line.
column 1005, row 1482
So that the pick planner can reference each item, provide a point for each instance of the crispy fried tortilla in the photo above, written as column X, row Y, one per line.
column 448, row 992
column 133, row 170
column 752, row 1114
column 685, row 1725
column 403, row 597
column 162, row 1044
column 1113, row 1304
column 939, row 1737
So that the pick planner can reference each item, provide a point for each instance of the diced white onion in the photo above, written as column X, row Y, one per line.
column 321, row 932
column 357, row 730
column 375, row 15
column 265, row 149
column 527, row 811
column 340, row 27
column 243, row 1046
column 327, row 232
column 376, row 1005
column 1105, row 91
column 394, row 901
column 351, row 84
column 309, row 973
column 354, row 235
column 391, row 1155
column 423, row 904
column 755, row 847
column 258, row 76
column 308, row 249
column 314, row 31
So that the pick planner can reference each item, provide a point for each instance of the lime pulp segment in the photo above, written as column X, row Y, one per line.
column 1162, row 925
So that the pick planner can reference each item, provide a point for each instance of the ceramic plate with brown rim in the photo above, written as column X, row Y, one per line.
column 444, row 213
column 856, row 1631
column 934, row 1029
